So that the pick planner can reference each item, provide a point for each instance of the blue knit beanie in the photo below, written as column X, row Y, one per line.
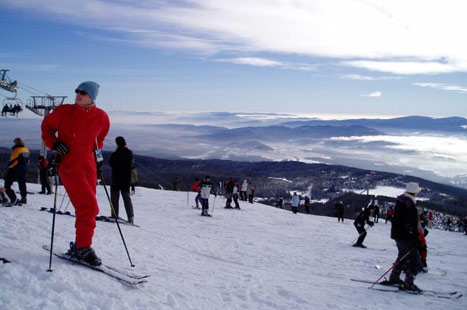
column 92, row 88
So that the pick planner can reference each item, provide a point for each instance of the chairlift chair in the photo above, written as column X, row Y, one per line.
column 7, row 84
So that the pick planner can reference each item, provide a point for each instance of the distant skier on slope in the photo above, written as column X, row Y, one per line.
column 359, row 223
column 389, row 215
column 243, row 190
column 206, row 190
column 376, row 211
column 196, row 188
column 228, row 189
column 235, row 194
column 340, row 210
column 295, row 202
column 307, row 205
column 405, row 232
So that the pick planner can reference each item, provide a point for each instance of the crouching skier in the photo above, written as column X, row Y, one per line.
column 76, row 132
column 362, row 218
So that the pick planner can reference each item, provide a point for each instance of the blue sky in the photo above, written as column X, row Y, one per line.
column 316, row 57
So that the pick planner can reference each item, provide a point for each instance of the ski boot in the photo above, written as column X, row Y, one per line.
column 408, row 285
column 86, row 255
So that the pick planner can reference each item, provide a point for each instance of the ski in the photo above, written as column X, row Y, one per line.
column 110, row 219
column 422, row 292
column 122, row 276
column 4, row 260
column 394, row 288
column 51, row 210
column 10, row 204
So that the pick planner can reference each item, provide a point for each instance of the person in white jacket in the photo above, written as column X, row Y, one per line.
column 205, row 192
column 243, row 190
column 295, row 202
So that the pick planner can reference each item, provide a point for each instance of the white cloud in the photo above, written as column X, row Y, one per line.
column 254, row 61
column 264, row 62
column 368, row 78
column 456, row 88
column 409, row 67
column 397, row 36
column 374, row 94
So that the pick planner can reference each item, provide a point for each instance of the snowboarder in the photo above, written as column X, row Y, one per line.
column 196, row 188
column 359, row 223
column 405, row 232
column 121, row 162
column 43, row 165
column 76, row 132
column 17, row 169
column 295, row 202
column 205, row 191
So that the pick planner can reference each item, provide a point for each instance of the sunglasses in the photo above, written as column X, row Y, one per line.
column 81, row 92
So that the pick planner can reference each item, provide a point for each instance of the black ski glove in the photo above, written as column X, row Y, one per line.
column 60, row 147
column 371, row 224
column 99, row 167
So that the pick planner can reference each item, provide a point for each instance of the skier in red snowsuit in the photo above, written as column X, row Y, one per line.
column 75, row 131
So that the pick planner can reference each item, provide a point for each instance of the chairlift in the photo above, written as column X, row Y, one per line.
column 12, row 105
column 6, row 83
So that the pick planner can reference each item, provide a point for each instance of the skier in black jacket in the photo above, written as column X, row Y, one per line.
column 121, row 162
column 404, row 231
column 362, row 219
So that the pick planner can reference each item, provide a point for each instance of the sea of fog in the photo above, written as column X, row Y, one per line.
column 434, row 155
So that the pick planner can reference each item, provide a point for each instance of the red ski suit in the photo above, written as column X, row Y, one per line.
column 83, row 130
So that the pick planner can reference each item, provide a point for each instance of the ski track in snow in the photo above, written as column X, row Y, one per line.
column 255, row 258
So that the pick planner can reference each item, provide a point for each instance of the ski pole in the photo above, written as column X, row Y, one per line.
column 366, row 228
column 61, row 203
column 67, row 205
column 213, row 205
column 187, row 198
column 115, row 216
column 53, row 218
column 394, row 265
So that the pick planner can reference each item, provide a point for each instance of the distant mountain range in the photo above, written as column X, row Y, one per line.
column 456, row 124
column 275, row 133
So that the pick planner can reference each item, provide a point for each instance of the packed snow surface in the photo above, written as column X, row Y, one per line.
column 258, row 257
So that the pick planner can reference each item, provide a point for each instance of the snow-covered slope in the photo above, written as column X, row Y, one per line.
column 255, row 258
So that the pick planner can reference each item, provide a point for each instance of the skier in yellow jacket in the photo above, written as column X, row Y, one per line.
column 17, row 169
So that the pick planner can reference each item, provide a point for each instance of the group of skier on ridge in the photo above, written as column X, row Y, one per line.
column 233, row 191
